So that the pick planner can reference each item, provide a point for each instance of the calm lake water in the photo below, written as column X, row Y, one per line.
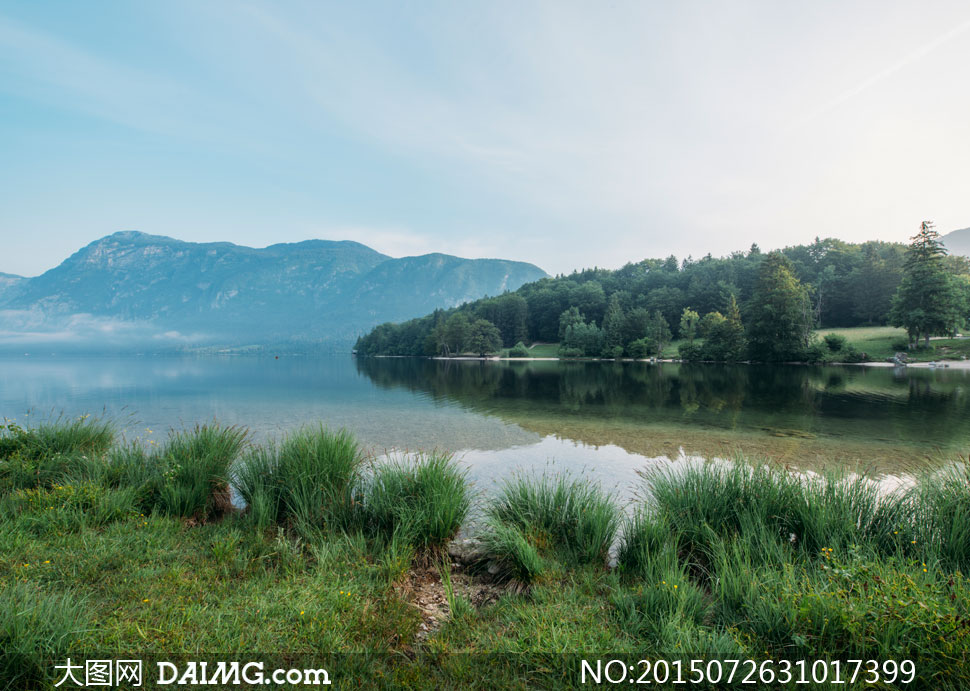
column 604, row 420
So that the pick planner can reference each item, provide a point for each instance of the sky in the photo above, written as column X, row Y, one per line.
column 569, row 134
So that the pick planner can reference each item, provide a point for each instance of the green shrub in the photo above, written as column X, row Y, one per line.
column 36, row 631
column 851, row 354
column 900, row 345
column 519, row 350
column 690, row 352
column 668, row 599
column 641, row 349
column 707, row 501
column 570, row 352
column 573, row 519
column 858, row 605
column 816, row 352
column 646, row 538
column 835, row 342
column 614, row 352
column 67, row 508
column 424, row 498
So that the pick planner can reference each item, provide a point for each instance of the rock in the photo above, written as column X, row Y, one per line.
column 493, row 568
column 466, row 550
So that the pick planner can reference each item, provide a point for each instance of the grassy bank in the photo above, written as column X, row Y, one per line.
column 882, row 342
column 879, row 343
column 121, row 550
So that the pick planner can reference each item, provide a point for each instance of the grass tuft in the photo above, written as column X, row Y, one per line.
column 572, row 519
column 424, row 499
column 309, row 481
column 193, row 477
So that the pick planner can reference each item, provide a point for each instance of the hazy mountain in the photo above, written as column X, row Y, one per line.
column 958, row 242
column 133, row 287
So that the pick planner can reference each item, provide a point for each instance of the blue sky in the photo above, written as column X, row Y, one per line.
column 568, row 134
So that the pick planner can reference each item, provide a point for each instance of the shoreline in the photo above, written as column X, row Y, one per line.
column 935, row 364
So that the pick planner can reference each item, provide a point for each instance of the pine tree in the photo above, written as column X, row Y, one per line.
column 613, row 323
column 928, row 301
column 781, row 320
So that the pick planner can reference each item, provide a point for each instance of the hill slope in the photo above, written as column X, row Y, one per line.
column 130, row 285
column 958, row 242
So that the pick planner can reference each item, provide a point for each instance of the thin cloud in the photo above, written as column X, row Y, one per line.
column 878, row 77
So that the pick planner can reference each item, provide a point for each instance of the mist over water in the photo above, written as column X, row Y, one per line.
column 600, row 419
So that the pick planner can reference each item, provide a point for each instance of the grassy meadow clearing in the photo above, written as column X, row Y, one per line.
column 136, row 550
column 879, row 343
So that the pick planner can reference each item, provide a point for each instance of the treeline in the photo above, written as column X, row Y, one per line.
column 749, row 305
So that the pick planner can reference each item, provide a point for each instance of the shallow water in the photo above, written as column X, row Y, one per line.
column 606, row 420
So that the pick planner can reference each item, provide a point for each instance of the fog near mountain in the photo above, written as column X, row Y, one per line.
column 958, row 242
column 131, row 289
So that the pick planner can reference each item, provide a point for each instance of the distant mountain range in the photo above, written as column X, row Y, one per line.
column 958, row 242
column 131, row 288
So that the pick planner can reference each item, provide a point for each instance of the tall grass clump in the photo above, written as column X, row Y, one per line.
column 309, row 481
column 423, row 498
column 708, row 501
column 509, row 546
column 193, row 470
column 45, row 454
column 36, row 632
column 648, row 545
column 570, row 519
column 941, row 506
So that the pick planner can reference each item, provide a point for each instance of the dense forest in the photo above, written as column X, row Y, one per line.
column 749, row 305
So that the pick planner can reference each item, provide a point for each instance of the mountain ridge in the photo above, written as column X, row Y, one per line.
column 223, row 293
column 958, row 241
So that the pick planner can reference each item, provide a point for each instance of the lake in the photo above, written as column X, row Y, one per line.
column 604, row 420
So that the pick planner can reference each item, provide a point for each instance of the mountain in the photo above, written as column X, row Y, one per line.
column 8, row 281
column 131, row 286
column 958, row 242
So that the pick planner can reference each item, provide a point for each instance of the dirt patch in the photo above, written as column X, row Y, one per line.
column 424, row 589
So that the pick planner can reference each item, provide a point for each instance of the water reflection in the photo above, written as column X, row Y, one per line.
column 607, row 418
column 877, row 417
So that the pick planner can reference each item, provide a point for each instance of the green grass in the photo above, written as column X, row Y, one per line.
column 193, row 471
column 715, row 560
column 37, row 630
column 556, row 516
column 424, row 500
column 38, row 456
column 309, row 481
column 880, row 343
column 544, row 350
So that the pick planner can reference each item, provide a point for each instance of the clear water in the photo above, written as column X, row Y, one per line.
column 606, row 420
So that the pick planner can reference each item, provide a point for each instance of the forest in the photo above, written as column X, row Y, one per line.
column 746, row 306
